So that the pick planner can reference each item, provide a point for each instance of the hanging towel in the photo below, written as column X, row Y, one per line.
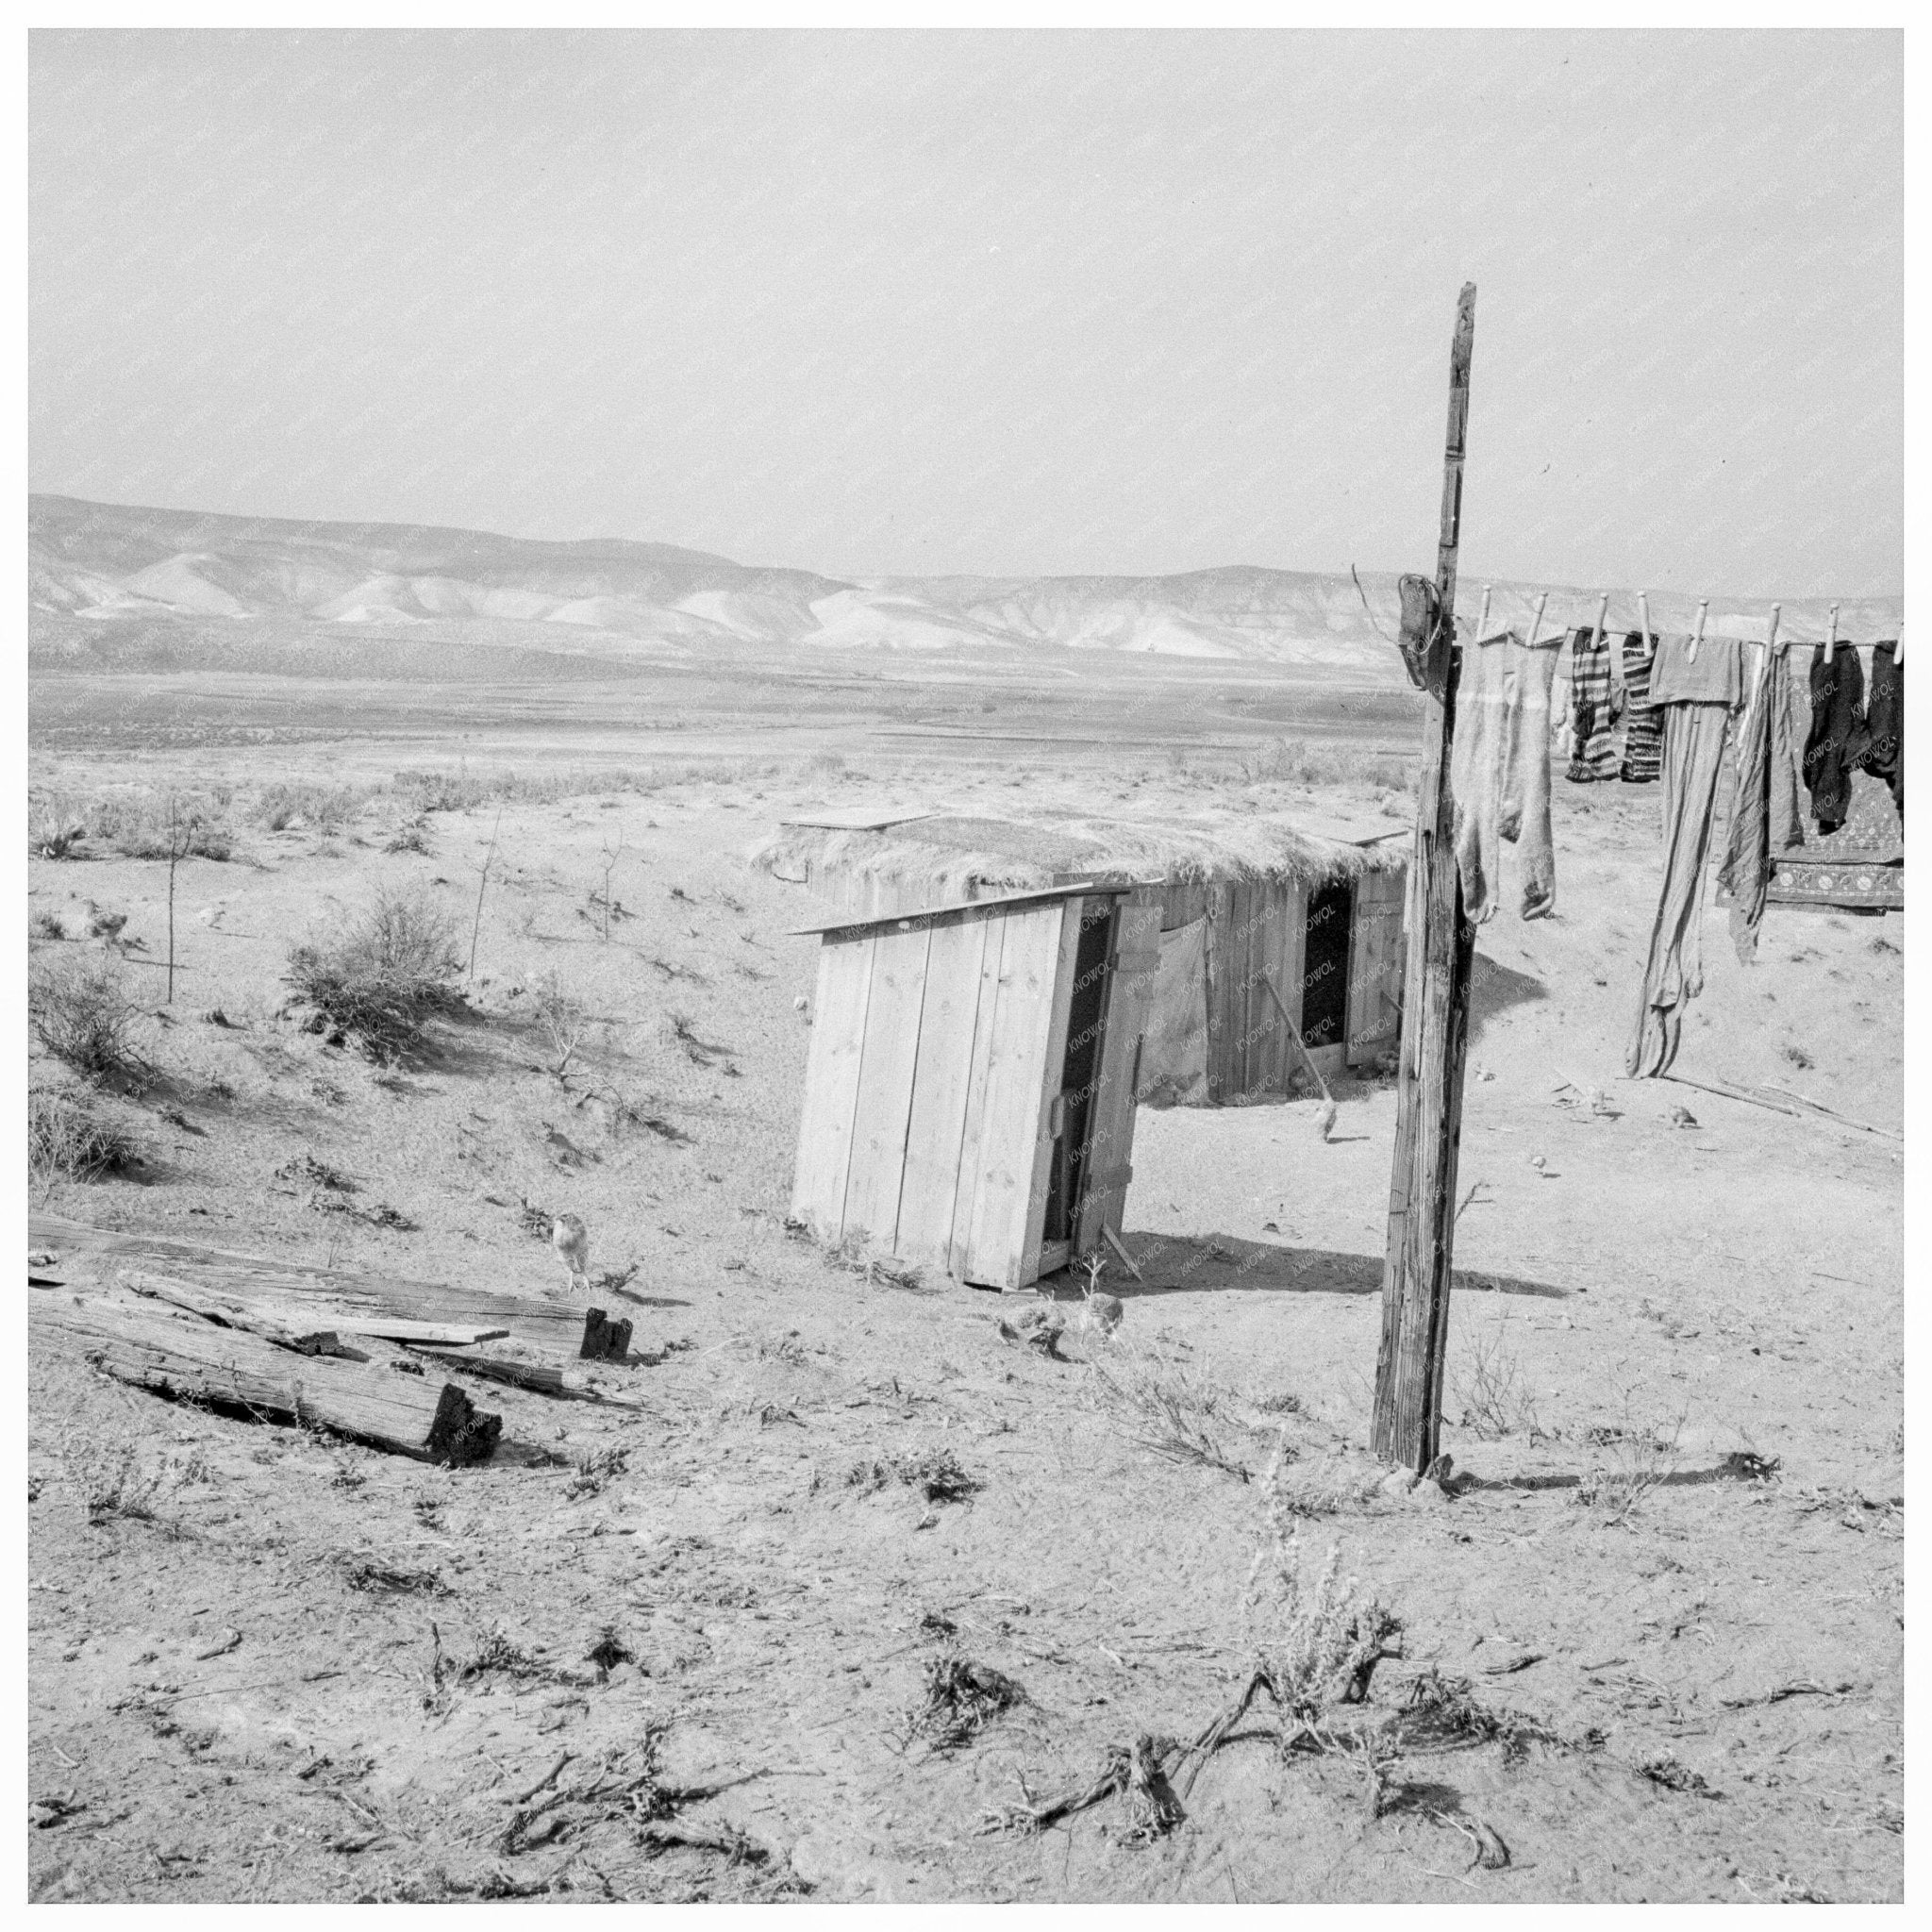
column 1885, row 717
column 1595, row 751
column 1674, row 972
column 1499, row 773
column 1838, row 738
column 1766, row 818
column 1643, row 728
column 1714, row 677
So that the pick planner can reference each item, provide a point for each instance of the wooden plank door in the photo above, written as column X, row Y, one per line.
column 831, row 1085
column 883, row 1108
column 997, row 1177
column 1109, row 1164
column 1375, row 958
column 950, row 1029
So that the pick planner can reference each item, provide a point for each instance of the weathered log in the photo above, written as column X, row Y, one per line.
column 286, row 1327
column 184, row 1358
column 337, row 1297
column 605, row 1340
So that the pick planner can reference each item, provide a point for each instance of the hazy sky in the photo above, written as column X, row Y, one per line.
column 1000, row 302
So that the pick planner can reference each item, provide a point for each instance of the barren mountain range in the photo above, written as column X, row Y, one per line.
column 111, row 584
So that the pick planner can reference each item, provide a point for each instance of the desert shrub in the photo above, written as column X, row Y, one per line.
column 563, row 1020
column 1295, row 761
column 47, row 925
column 138, row 825
column 381, row 975
column 325, row 807
column 413, row 837
column 70, row 1138
column 1160, row 1405
column 53, row 827
column 1316, row 1637
column 80, row 1012
column 445, row 791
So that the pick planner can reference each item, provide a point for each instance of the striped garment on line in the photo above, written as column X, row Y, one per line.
column 1594, row 754
column 1643, row 730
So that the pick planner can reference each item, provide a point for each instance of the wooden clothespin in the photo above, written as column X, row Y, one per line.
column 1536, row 623
column 1698, row 634
column 1764, row 652
column 1643, row 617
column 1482, row 623
column 1898, row 650
column 1831, row 638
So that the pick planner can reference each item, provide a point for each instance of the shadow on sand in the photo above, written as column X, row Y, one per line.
column 1205, row 1264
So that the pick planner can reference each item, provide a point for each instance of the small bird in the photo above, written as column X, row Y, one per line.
column 573, row 1245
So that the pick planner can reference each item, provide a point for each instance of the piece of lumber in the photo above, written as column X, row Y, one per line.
column 538, row 1376
column 1416, row 1273
column 605, row 1340
column 1294, row 1033
column 1114, row 1242
column 337, row 1295
column 263, row 1314
column 180, row 1357
column 1818, row 1106
column 285, row 1327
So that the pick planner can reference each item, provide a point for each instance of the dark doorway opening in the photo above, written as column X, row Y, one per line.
column 1085, row 1019
column 1324, row 966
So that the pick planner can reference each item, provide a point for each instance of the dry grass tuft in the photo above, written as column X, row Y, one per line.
column 82, row 1015
column 1638, row 1457
column 936, row 1474
column 1162, row 1406
column 70, row 1138
column 595, row 1470
column 1490, row 1393
column 962, row 1699
column 380, row 977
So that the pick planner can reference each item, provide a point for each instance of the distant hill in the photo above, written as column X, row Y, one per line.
column 114, row 586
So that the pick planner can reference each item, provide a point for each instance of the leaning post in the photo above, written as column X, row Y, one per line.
column 1440, row 949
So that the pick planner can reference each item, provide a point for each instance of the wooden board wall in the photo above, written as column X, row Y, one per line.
column 883, row 1103
column 833, row 1064
column 1375, row 965
column 1131, row 974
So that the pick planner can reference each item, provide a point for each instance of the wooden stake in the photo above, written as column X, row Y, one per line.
column 1435, row 1022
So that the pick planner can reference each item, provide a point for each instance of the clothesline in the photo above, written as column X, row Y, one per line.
column 1799, row 622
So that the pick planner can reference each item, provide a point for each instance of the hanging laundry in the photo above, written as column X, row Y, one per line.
column 1674, row 971
column 1714, row 675
column 1885, row 718
column 1766, row 818
column 1499, row 773
column 1839, row 737
column 1563, row 718
column 1594, row 753
column 1642, row 727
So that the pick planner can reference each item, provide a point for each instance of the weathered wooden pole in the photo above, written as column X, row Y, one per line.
column 1435, row 1019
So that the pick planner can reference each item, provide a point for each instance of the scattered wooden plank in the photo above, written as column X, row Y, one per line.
column 333, row 1295
column 1818, row 1106
column 540, row 1376
column 182, row 1359
column 283, row 1326
column 1114, row 1242
column 294, row 1327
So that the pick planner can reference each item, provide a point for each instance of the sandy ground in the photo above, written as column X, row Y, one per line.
column 219, row 1713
